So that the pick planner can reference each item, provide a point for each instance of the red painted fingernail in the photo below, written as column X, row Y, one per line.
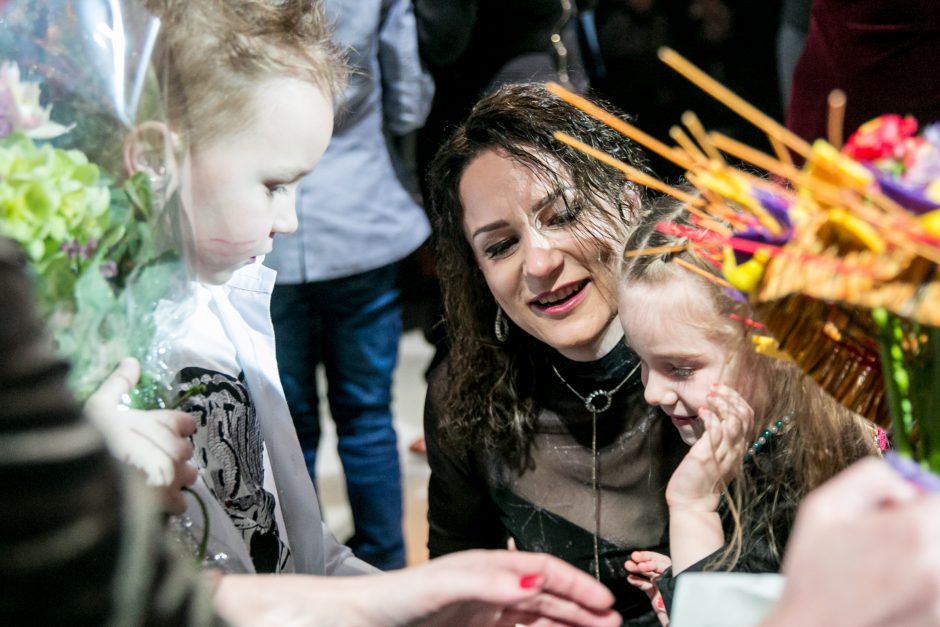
column 530, row 581
column 660, row 605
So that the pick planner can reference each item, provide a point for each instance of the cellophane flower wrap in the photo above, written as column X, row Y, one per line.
column 75, row 81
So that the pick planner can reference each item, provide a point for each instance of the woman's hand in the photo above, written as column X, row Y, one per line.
column 644, row 568
column 155, row 442
column 474, row 588
column 848, row 537
column 716, row 458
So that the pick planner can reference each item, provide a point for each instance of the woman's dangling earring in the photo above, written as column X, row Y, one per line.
column 502, row 325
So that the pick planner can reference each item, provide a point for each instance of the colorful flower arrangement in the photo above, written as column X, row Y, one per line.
column 104, row 245
column 906, row 164
column 90, row 243
column 839, row 256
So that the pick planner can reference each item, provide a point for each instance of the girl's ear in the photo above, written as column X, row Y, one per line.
column 151, row 147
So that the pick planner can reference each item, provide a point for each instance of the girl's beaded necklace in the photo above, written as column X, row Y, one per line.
column 879, row 436
column 766, row 435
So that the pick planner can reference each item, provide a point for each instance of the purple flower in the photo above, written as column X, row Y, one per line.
column 913, row 472
column 735, row 294
column 778, row 207
column 108, row 269
column 86, row 251
column 70, row 248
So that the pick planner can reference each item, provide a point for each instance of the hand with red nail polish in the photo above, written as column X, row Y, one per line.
column 510, row 588
column 476, row 588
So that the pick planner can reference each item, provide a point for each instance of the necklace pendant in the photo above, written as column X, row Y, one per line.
column 598, row 401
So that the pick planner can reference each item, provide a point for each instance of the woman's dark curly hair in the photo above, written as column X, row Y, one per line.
column 488, row 397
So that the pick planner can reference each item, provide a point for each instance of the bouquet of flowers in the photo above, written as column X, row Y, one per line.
column 840, row 256
column 88, row 188
column 93, row 234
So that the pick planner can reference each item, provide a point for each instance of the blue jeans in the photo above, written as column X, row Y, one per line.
column 352, row 326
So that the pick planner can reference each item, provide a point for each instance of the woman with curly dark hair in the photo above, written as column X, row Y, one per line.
column 536, row 425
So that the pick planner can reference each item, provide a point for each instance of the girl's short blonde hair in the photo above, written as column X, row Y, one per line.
column 211, row 53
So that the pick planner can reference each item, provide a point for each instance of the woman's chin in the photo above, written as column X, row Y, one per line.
column 582, row 340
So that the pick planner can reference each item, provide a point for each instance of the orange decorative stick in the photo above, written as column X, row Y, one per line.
column 836, row 117
column 619, row 125
column 693, row 203
column 656, row 250
column 695, row 127
column 702, row 273
column 734, row 102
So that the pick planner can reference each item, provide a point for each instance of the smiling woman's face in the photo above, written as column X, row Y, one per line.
column 553, row 282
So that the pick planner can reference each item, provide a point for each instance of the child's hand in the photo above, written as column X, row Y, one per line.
column 644, row 568
column 154, row 441
column 715, row 459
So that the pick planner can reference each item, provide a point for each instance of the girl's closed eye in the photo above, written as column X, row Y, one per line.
column 681, row 372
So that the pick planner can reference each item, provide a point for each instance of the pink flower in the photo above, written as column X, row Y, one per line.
column 20, row 109
column 882, row 138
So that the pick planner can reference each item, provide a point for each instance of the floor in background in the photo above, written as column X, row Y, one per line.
column 407, row 407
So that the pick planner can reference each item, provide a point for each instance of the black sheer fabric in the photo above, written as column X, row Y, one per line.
column 476, row 500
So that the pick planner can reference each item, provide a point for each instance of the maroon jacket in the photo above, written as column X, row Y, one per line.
column 884, row 54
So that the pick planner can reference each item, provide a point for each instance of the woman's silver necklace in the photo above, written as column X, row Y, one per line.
column 606, row 400
column 597, row 401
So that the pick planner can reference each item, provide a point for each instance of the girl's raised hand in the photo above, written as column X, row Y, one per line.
column 715, row 459
column 694, row 491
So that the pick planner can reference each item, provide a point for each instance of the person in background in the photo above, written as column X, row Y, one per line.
column 337, row 300
column 791, row 36
column 881, row 54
